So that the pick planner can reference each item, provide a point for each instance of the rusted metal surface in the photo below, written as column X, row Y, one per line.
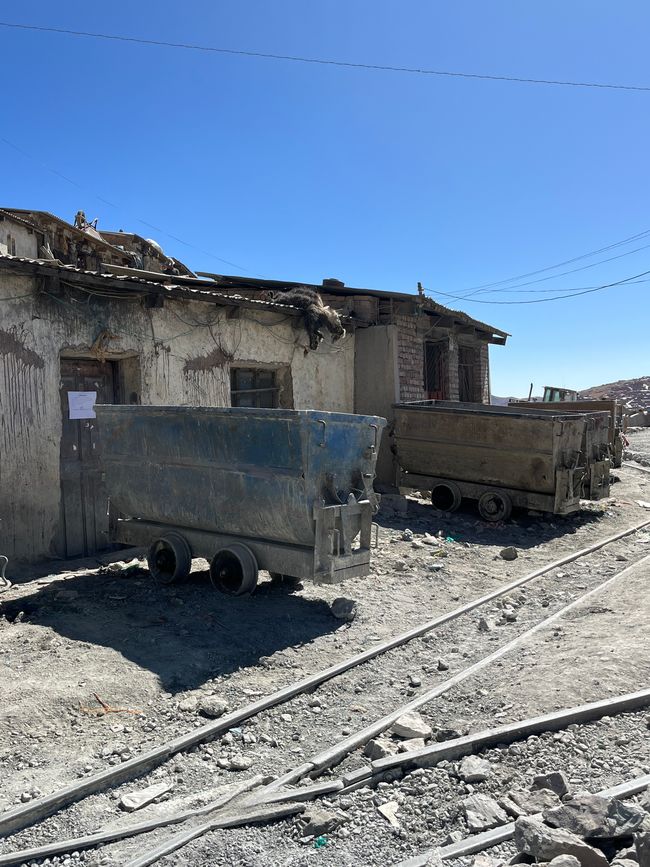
column 617, row 419
column 535, row 456
column 295, row 485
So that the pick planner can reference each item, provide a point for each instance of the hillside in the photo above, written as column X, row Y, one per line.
column 635, row 392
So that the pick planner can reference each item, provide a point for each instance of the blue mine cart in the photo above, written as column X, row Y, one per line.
column 283, row 490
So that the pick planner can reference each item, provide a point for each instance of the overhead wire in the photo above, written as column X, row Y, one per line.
column 543, row 300
column 507, row 290
column 118, row 207
column 293, row 58
column 612, row 246
column 560, row 274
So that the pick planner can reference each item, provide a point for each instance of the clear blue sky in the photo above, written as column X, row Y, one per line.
column 380, row 179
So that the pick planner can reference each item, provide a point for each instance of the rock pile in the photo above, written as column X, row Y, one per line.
column 594, row 830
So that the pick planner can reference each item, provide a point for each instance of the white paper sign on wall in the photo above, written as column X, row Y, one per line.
column 81, row 404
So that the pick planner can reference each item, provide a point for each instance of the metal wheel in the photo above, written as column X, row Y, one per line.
column 495, row 506
column 169, row 559
column 234, row 570
column 446, row 496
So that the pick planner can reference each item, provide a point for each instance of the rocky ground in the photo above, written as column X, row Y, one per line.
column 177, row 656
column 639, row 448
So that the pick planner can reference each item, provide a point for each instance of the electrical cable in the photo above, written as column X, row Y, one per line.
column 542, row 300
column 266, row 55
column 562, row 273
column 555, row 289
column 96, row 195
column 629, row 240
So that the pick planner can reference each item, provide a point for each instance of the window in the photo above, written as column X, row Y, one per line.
column 253, row 386
column 469, row 374
column 435, row 370
column 11, row 245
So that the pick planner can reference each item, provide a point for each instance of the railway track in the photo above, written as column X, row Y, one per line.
column 420, row 648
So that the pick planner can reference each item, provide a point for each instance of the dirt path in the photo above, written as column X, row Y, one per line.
column 146, row 648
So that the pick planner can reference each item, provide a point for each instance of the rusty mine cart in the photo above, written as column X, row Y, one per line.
column 501, row 456
column 247, row 489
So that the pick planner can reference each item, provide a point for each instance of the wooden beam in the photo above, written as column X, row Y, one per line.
column 90, row 841
column 335, row 754
column 550, row 722
column 247, row 816
column 28, row 814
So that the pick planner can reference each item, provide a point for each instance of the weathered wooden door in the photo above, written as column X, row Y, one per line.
column 435, row 369
column 84, row 502
column 468, row 374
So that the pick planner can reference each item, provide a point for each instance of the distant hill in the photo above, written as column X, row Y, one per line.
column 635, row 392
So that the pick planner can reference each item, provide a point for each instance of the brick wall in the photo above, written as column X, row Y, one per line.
column 485, row 373
column 410, row 358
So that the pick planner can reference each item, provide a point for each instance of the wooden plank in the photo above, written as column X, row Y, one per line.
column 634, row 466
column 305, row 793
column 550, row 722
column 335, row 754
column 247, row 816
column 27, row 814
column 90, row 841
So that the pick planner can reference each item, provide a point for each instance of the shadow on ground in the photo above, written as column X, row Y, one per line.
column 521, row 530
column 185, row 634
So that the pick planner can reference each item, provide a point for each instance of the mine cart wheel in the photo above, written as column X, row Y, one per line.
column 234, row 570
column 446, row 496
column 495, row 506
column 169, row 559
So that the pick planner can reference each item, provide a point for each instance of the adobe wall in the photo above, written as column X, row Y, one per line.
column 184, row 352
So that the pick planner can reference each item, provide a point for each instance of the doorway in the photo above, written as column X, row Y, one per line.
column 469, row 366
column 435, row 369
column 85, row 525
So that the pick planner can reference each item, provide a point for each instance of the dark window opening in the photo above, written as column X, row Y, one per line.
column 469, row 374
column 435, row 370
column 254, row 387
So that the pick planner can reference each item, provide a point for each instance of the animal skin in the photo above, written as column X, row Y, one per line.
column 316, row 315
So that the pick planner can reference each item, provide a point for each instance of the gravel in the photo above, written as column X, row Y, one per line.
column 171, row 652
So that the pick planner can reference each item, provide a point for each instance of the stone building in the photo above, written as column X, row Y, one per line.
column 110, row 316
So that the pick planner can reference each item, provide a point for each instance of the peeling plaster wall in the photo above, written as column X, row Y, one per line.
column 26, row 242
column 182, row 361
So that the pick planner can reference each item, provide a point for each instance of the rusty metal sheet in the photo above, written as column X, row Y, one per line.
column 239, row 471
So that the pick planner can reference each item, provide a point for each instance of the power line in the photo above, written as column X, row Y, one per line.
column 572, row 294
column 562, row 273
column 119, row 207
column 629, row 240
column 323, row 62
column 577, row 289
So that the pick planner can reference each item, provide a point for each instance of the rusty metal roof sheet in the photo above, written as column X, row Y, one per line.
column 11, row 216
column 202, row 292
column 340, row 289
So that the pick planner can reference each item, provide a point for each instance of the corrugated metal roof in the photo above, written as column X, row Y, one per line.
column 198, row 293
column 340, row 289
column 11, row 216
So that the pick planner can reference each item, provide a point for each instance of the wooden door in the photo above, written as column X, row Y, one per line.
column 84, row 502
column 435, row 369
column 468, row 374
